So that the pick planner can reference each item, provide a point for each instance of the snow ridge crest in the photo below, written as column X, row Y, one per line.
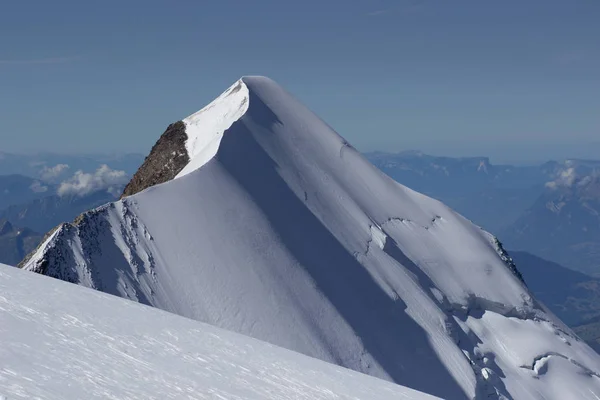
column 206, row 127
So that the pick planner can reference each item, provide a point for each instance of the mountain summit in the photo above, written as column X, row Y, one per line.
column 255, row 216
column 193, row 139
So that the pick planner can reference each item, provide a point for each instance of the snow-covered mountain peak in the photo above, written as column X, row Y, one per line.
column 205, row 128
column 188, row 144
column 250, row 100
column 277, row 228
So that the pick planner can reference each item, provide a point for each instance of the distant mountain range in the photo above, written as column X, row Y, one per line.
column 45, row 213
column 50, row 166
column 58, row 189
column 16, row 243
column 16, row 189
column 563, row 224
column 573, row 296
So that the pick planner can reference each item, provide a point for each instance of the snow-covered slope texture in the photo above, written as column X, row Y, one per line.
column 280, row 230
column 68, row 342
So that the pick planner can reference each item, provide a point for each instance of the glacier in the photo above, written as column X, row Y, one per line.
column 69, row 342
column 279, row 229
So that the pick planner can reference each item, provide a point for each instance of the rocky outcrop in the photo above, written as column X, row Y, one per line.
column 166, row 159
column 507, row 259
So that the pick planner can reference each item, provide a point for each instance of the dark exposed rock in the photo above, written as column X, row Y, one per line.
column 508, row 260
column 166, row 159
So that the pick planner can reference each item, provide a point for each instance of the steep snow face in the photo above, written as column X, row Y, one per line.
column 68, row 342
column 289, row 235
column 206, row 127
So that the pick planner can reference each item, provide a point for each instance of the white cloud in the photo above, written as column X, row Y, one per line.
column 565, row 178
column 37, row 187
column 82, row 184
column 51, row 173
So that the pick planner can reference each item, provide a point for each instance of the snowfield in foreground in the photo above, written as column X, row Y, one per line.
column 61, row 341
column 279, row 229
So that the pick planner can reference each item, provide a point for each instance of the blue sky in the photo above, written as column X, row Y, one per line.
column 510, row 79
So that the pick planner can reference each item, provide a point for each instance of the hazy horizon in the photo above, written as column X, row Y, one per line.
column 590, row 152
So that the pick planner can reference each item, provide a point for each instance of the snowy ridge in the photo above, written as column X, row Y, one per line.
column 131, row 244
column 206, row 127
column 287, row 234
column 68, row 342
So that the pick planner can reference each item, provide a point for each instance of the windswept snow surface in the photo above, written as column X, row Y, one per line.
column 61, row 341
column 206, row 127
column 287, row 234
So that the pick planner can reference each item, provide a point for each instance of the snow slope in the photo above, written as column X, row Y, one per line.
column 68, row 342
column 280, row 230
